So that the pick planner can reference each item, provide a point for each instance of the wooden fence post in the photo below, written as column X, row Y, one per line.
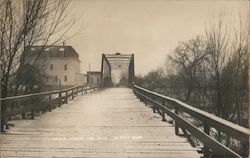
column 23, row 114
column 32, row 108
column 1, row 118
column 176, row 110
column 163, row 114
column 145, row 102
column 153, row 98
column 77, row 90
column 0, row 115
column 60, row 99
column 205, row 148
column 72, row 94
column 66, row 97
column 245, row 149
column 50, row 104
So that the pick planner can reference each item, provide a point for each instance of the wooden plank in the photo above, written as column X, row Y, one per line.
column 111, row 123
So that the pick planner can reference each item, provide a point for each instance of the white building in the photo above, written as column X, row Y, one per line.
column 93, row 77
column 60, row 64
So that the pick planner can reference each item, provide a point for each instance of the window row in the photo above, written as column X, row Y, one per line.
column 52, row 67
column 91, row 79
column 57, row 79
column 47, row 54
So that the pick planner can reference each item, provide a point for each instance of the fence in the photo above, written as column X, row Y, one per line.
column 31, row 104
column 173, row 108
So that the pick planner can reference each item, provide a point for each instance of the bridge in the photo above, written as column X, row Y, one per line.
column 101, row 121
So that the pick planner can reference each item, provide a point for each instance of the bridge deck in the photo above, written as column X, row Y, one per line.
column 111, row 123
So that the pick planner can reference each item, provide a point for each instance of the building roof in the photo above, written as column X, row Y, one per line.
column 50, row 51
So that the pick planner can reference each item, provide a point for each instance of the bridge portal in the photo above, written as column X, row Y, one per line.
column 116, row 61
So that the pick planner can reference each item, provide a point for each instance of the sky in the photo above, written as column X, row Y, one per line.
column 148, row 29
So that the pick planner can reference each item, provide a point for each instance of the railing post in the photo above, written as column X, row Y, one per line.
column 140, row 97
column 77, row 91
column 32, row 108
column 2, row 122
column 205, row 148
column 23, row 114
column 66, row 96
column 145, row 102
column 60, row 99
column 163, row 114
column 50, row 105
column 153, row 98
column 82, row 89
column 72, row 94
column 86, row 87
column 245, row 149
column 0, row 116
column 176, row 110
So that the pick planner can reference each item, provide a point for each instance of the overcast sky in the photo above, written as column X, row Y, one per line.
column 149, row 29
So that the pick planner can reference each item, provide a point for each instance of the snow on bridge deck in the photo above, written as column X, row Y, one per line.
column 109, row 123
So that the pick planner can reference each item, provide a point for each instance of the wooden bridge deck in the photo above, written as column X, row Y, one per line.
column 110, row 123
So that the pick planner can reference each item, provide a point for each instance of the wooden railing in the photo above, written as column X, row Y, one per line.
column 173, row 108
column 31, row 104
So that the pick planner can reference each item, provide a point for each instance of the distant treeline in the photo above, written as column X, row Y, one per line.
column 209, row 72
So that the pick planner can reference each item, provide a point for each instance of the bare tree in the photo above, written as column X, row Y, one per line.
column 235, row 76
column 217, row 40
column 188, row 57
column 25, row 23
column 212, row 71
column 154, row 79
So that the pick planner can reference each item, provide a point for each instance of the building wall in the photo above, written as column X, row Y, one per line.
column 65, row 69
column 80, row 79
column 94, row 78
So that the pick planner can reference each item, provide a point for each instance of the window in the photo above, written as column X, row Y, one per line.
column 65, row 67
column 46, row 52
column 98, row 80
column 65, row 78
column 61, row 52
column 56, row 78
column 88, row 79
column 51, row 66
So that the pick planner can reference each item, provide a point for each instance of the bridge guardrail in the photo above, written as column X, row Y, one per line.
column 44, row 101
column 165, row 104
